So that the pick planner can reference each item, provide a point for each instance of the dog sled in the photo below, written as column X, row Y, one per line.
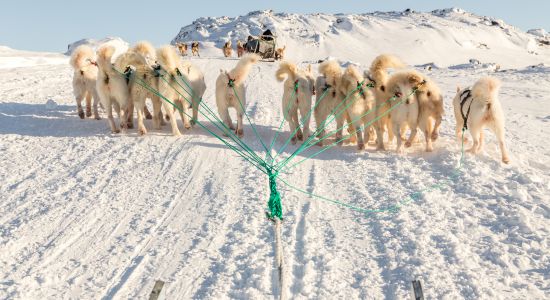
column 263, row 45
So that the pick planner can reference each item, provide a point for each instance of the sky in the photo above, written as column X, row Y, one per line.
column 51, row 25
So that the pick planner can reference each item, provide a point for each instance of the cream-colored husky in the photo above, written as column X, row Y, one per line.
column 359, row 102
column 83, row 61
column 326, row 86
column 112, row 88
column 231, row 92
column 477, row 108
column 298, row 90
column 378, row 75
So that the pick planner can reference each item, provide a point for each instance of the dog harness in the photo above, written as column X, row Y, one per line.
column 231, row 82
column 128, row 73
column 464, row 97
column 328, row 86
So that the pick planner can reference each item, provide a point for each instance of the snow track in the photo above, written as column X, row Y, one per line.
column 86, row 214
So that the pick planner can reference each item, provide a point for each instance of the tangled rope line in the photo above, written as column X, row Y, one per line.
column 273, row 166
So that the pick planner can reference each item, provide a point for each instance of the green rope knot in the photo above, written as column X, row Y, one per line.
column 274, row 204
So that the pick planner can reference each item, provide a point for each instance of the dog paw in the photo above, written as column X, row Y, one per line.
column 293, row 140
column 88, row 113
column 361, row 146
column 506, row 160
column 167, row 117
column 429, row 149
column 408, row 144
column 187, row 126
column 129, row 125
column 239, row 132
column 142, row 131
column 320, row 144
column 352, row 139
column 193, row 122
column 81, row 114
column 115, row 130
column 97, row 117
column 435, row 135
column 148, row 116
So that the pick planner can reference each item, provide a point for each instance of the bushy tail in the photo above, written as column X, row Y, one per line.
column 104, row 55
column 331, row 70
column 240, row 72
column 146, row 49
column 486, row 88
column 378, row 69
column 168, row 59
column 286, row 69
column 82, row 56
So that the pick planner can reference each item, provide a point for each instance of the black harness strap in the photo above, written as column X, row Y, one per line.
column 328, row 86
column 156, row 69
column 128, row 73
column 464, row 96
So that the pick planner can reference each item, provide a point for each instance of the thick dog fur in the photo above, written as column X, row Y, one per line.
column 240, row 49
column 327, row 85
column 182, row 48
column 360, row 103
column 142, row 75
column 225, row 96
column 83, row 61
column 280, row 53
column 405, row 113
column 431, row 111
column 171, row 87
column 112, row 88
column 195, row 49
column 296, row 101
column 227, row 50
column 146, row 50
column 379, row 74
column 485, row 111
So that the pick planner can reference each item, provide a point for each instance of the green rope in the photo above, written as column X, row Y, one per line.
column 274, row 204
column 283, row 119
column 157, row 93
column 218, row 122
column 281, row 166
column 232, row 85
column 392, row 208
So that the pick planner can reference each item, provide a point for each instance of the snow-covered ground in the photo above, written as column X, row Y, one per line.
column 85, row 214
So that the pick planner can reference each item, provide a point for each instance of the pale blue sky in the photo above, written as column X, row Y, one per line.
column 51, row 25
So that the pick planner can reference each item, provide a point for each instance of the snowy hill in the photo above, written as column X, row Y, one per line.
column 445, row 37
column 86, row 214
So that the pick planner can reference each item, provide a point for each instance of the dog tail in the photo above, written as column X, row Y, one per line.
column 240, row 72
column 286, row 69
column 168, row 59
column 378, row 68
column 105, row 55
column 331, row 70
column 145, row 49
column 486, row 89
column 82, row 56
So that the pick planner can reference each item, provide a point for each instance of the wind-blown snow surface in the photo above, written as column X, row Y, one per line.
column 86, row 214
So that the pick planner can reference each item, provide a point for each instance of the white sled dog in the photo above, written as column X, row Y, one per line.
column 173, row 86
column 148, row 52
column 195, row 79
column 83, row 61
column 112, row 88
column 298, row 90
column 360, row 104
column 378, row 75
column 477, row 108
column 141, row 80
column 431, row 111
column 405, row 107
column 326, row 86
column 231, row 92
column 329, row 102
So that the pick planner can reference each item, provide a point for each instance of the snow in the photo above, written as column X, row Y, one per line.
column 88, row 214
